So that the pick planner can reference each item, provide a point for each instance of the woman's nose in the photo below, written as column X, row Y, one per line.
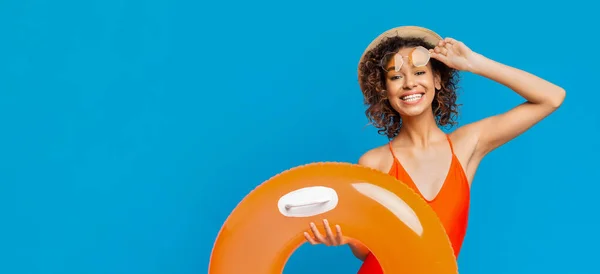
column 409, row 81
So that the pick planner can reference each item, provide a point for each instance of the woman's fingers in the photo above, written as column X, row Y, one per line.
column 317, row 234
column 310, row 239
column 449, row 47
column 438, row 56
column 339, row 238
column 330, row 237
column 440, row 50
column 450, row 40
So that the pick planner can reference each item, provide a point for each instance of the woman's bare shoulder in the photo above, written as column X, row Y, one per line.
column 378, row 158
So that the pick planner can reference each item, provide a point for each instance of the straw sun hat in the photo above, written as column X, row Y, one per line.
column 404, row 31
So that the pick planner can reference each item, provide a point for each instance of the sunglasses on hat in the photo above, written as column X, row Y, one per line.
column 418, row 57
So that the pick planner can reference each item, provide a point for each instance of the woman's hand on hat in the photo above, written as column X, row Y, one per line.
column 329, row 239
column 454, row 54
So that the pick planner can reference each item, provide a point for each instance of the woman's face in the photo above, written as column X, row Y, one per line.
column 411, row 89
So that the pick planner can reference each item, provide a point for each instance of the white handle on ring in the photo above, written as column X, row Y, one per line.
column 308, row 201
column 290, row 206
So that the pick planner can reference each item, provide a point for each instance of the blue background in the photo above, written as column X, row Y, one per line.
column 130, row 129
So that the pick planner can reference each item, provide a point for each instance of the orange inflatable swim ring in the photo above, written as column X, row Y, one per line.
column 267, row 226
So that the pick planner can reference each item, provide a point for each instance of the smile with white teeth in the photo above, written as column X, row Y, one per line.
column 412, row 97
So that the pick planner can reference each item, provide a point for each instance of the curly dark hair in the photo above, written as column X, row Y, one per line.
column 372, row 78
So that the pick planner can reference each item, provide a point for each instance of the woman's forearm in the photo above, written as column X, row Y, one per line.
column 534, row 89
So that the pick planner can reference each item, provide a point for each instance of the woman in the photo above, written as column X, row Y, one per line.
column 408, row 77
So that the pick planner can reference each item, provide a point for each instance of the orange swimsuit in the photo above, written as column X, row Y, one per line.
column 451, row 205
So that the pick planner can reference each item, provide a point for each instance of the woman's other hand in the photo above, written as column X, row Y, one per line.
column 329, row 238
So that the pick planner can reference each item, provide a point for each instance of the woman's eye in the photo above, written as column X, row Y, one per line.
column 420, row 72
column 395, row 77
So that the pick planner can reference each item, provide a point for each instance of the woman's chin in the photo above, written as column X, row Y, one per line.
column 414, row 111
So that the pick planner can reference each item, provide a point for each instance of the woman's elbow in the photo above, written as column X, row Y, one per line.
column 557, row 98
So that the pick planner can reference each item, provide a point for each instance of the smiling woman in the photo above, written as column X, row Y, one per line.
column 408, row 76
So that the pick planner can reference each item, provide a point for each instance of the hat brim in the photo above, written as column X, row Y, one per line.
column 405, row 32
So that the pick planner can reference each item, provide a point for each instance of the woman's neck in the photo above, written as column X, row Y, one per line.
column 418, row 131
